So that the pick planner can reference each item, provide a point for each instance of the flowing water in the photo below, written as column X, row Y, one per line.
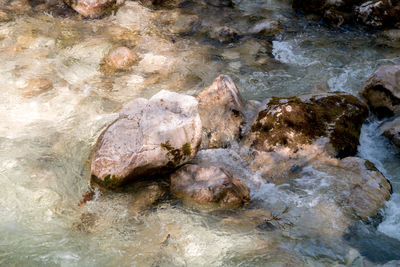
column 46, row 137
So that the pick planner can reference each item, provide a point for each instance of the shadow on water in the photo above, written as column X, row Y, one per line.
column 373, row 245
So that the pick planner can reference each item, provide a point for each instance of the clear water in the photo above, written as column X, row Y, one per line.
column 46, row 138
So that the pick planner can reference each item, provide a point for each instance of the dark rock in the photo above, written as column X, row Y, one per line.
column 292, row 122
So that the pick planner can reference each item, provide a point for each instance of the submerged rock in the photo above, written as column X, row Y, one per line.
column 209, row 185
column 121, row 58
column 360, row 189
column 150, row 137
column 382, row 91
column 148, row 195
column 391, row 130
column 93, row 8
column 220, row 107
column 37, row 86
column 331, row 121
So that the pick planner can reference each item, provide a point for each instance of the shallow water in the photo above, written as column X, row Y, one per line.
column 46, row 137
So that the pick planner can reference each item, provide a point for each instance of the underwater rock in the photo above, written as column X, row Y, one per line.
column 359, row 188
column 148, row 195
column 121, row 58
column 220, row 108
column 331, row 121
column 382, row 91
column 93, row 8
column 37, row 86
column 209, row 185
column 379, row 13
column 150, row 137
column 391, row 130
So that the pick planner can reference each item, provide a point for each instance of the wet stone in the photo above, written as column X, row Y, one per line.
column 212, row 186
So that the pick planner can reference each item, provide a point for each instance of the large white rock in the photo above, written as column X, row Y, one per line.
column 150, row 137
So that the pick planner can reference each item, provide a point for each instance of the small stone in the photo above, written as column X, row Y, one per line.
column 119, row 59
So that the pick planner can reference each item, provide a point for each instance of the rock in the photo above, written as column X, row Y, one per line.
column 150, row 137
column 335, row 12
column 93, row 8
column 37, row 86
column 382, row 91
column 121, row 58
column 148, row 195
column 379, row 13
column 390, row 38
column 359, row 188
column 224, row 34
column 220, row 107
column 156, row 64
column 331, row 121
column 184, row 24
column 391, row 130
column 209, row 185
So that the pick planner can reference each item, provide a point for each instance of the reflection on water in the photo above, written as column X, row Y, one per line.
column 48, row 127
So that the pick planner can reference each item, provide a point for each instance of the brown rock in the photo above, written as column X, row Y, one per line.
column 37, row 86
column 391, row 130
column 121, row 58
column 93, row 8
column 359, row 188
column 150, row 137
column 382, row 91
column 293, row 122
column 209, row 185
column 220, row 108
column 148, row 195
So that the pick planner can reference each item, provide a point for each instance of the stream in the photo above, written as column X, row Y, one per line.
column 46, row 138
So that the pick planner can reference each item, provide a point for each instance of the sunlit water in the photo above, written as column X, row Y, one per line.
column 46, row 138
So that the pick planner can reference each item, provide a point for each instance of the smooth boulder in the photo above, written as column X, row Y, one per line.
column 209, row 185
column 220, row 107
column 332, row 121
column 382, row 91
column 150, row 137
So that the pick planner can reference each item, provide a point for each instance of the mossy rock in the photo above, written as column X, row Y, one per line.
column 293, row 121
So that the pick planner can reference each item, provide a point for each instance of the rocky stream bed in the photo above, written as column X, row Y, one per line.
column 199, row 133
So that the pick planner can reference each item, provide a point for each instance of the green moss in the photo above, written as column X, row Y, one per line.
column 111, row 182
column 293, row 122
column 370, row 166
column 187, row 149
